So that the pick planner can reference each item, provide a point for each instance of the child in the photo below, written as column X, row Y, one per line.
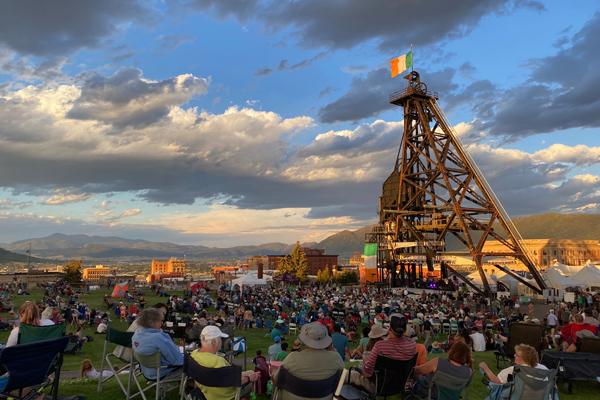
column 260, row 365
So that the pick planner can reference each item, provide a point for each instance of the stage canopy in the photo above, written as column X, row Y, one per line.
column 251, row 280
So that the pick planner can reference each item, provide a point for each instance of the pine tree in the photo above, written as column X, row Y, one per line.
column 299, row 265
column 72, row 271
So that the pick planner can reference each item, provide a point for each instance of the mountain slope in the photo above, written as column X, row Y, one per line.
column 8, row 256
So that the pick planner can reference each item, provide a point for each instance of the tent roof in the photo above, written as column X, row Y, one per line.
column 251, row 280
column 589, row 275
column 566, row 269
column 556, row 279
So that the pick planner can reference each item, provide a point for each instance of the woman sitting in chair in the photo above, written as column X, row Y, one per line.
column 458, row 364
column 524, row 355
column 29, row 314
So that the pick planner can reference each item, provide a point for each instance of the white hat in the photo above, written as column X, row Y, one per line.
column 211, row 332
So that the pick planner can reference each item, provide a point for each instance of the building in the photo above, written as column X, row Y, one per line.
column 172, row 267
column 317, row 260
column 544, row 252
column 31, row 279
column 96, row 274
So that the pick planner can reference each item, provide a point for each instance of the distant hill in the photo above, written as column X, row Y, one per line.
column 344, row 243
column 8, row 257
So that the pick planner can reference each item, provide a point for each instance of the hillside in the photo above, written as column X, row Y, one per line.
column 8, row 257
column 344, row 243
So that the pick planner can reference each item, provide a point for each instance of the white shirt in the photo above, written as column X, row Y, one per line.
column 503, row 375
column 552, row 320
column 478, row 341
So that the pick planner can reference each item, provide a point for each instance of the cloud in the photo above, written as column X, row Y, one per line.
column 128, row 99
column 560, row 93
column 61, row 197
column 284, row 65
column 392, row 25
column 51, row 28
column 367, row 94
column 171, row 42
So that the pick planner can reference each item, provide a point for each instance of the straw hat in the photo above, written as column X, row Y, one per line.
column 377, row 331
column 315, row 336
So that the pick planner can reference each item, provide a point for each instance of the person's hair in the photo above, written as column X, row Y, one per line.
column 86, row 365
column 460, row 353
column 528, row 354
column 29, row 313
column 365, row 331
column 284, row 346
column 578, row 318
column 149, row 318
column 161, row 305
column 337, row 328
column 258, row 352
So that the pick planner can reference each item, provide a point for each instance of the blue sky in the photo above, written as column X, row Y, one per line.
column 251, row 121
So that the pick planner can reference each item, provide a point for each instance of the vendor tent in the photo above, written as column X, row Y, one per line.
column 588, row 276
column 565, row 269
column 251, row 280
column 555, row 279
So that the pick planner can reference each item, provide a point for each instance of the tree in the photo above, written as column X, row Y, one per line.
column 323, row 276
column 73, row 271
column 294, row 263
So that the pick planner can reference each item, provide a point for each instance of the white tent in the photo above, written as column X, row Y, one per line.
column 251, row 280
column 588, row 276
column 567, row 270
column 557, row 280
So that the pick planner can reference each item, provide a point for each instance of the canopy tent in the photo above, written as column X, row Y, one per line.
column 251, row 280
column 565, row 269
column 556, row 279
column 497, row 276
column 120, row 290
column 588, row 276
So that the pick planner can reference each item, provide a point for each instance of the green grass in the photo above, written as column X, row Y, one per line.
column 256, row 339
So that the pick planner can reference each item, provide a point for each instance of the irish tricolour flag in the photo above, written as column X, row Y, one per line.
column 400, row 64
column 370, row 255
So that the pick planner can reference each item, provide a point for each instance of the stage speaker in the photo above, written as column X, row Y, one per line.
column 429, row 264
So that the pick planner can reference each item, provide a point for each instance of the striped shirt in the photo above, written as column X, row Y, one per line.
column 398, row 348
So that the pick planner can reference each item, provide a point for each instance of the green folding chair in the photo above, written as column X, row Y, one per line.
column 162, row 386
column 116, row 364
column 34, row 333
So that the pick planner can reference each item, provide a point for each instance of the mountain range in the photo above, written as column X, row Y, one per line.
column 105, row 248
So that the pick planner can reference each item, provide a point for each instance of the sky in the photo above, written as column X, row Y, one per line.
column 236, row 122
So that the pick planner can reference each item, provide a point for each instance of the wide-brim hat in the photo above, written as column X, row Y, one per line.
column 315, row 336
column 377, row 332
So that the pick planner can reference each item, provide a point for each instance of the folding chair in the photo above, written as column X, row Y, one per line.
column 34, row 333
column 531, row 334
column 589, row 345
column 162, row 385
column 453, row 327
column 307, row 389
column 390, row 379
column 293, row 328
column 443, row 386
column 223, row 377
column 30, row 366
column 117, row 364
column 532, row 384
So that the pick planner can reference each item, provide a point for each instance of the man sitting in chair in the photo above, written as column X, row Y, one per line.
column 316, row 362
column 149, row 339
column 397, row 346
column 211, row 341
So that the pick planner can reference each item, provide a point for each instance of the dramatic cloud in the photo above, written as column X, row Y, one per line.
column 128, row 99
column 366, row 96
column 562, row 91
column 62, row 197
column 48, row 28
column 347, row 23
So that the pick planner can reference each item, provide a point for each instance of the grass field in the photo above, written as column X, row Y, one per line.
column 256, row 339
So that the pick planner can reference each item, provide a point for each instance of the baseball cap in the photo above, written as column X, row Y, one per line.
column 212, row 332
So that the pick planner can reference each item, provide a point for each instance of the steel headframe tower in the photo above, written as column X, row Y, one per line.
column 436, row 189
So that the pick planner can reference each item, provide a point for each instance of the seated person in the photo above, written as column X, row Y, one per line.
column 478, row 340
column 124, row 353
column 88, row 371
column 275, row 348
column 29, row 314
column 149, row 339
column 211, row 341
column 569, row 332
column 524, row 355
column 458, row 364
column 315, row 362
column 397, row 346
column 283, row 353
column 376, row 334
column 362, row 344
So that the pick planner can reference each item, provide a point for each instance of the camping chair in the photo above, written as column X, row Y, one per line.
column 30, row 365
column 573, row 366
column 117, row 364
column 33, row 333
column 238, row 346
column 532, row 384
column 589, row 345
column 161, row 385
column 307, row 389
column 444, row 386
column 390, row 379
column 520, row 332
column 223, row 377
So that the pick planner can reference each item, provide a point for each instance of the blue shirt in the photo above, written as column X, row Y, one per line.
column 148, row 341
column 340, row 342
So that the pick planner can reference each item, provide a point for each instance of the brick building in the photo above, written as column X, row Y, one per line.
column 96, row 274
column 317, row 260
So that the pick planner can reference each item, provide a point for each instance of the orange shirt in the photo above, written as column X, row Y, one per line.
column 421, row 354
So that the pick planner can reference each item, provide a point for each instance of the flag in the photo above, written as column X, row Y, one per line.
column 400, row 64
column 370, row 255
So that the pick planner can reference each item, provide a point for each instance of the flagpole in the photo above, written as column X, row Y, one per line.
column 412, row 64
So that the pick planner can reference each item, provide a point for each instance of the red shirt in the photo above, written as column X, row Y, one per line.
column 398, row 348
column 569, row 331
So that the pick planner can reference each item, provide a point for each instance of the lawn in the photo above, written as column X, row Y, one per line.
column 256, row 339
